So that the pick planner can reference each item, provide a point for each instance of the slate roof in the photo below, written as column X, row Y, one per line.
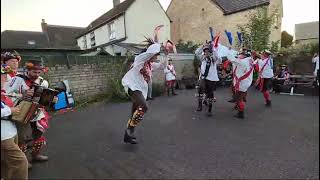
column 234, row 6
column 108, row 16
column 59, row 37
column 63, row 36
column 19, row 40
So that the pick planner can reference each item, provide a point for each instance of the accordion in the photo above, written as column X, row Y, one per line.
column 28, row 110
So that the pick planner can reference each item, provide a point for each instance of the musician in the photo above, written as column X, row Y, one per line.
column 39, row 124
column 242, row 79
column 14, row 164
column 135, row 83
column 209, row 76
column 12, row 59
column 170, row 77
column 265, row 69
column 282, row 78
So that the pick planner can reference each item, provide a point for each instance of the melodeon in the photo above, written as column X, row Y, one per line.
column 28, row 110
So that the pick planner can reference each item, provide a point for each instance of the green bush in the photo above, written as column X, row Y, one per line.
column 117, row 92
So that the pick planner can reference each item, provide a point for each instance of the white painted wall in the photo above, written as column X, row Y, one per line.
column 141, row 19
column 102, row 33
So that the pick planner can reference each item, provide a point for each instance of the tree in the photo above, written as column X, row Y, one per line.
column 286, row 39
column 257, row 31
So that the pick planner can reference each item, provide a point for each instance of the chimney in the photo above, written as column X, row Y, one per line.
column 44, row 26
column 116, row 2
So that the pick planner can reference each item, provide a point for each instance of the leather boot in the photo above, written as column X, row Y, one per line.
column 240, row 115
column 40, row 158
column 129, row 139
column 268, row 103
column 168, row 91
column 199, row 105
column 173, row 93
column 209, row 114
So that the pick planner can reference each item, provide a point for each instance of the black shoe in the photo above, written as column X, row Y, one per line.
column 232, row 101
column 240, row 115
column 268, row 103
column 209, row 114
column 129, row 139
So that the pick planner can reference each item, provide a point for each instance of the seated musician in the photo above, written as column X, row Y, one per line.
column 37, row 125
column 14, row 164
column 282, row 78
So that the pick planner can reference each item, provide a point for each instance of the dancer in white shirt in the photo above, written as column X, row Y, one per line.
column 170, row 77
column 208, row 76
column 135, row 83
column 264, row 82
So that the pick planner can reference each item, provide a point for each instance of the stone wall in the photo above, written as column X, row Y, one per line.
column 89, row 80
column 86, row 80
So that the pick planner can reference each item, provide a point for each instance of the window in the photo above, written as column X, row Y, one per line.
column 31, row 42
column 93, row 39
column 112, row 31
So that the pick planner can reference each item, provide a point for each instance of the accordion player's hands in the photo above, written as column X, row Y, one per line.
column 29, row 92
column 15, row 110
column 55, row 99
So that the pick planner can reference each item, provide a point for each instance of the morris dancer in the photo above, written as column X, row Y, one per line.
column 170, row 77
column 135, row 83
column 264, row 82
column 14, row 164
column 209, row 76
column 242, row 75
column 40, row 123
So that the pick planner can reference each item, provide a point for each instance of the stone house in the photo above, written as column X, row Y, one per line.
column 191, row 19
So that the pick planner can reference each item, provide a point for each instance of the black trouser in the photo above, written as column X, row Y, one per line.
column 137, row 101
column 207, row 87
column 139, row 108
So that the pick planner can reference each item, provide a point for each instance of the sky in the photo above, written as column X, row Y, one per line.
column 27, row 14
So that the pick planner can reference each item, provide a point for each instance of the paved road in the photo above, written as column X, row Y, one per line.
column 176, row 142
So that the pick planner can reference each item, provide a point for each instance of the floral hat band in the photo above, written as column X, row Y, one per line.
column 5, row 69
column 36, row 65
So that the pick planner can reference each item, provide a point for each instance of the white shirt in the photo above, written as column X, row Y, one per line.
column 133, row 79
column 170, row 72
column 268, row 69
column 15, row 85
column 8, row 128
column 243, row 66
column 316, row 60
column 213, row 72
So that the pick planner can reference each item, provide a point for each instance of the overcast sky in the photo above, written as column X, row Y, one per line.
column 27, row 14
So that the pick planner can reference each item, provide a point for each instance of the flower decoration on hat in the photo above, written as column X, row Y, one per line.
column 7, row 55
column 5, row 69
